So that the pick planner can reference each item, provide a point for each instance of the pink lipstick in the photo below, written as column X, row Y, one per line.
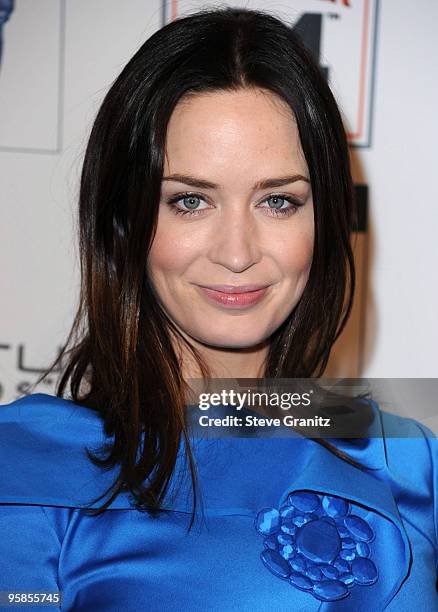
column 233, row 296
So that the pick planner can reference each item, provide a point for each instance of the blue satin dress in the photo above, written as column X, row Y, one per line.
column 284, row 525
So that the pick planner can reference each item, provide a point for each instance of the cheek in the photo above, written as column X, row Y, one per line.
column 295, row 255
column 165, row 257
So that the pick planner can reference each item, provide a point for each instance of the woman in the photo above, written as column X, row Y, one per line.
column 215, row 213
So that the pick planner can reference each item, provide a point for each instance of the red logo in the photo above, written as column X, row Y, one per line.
column 343, row 2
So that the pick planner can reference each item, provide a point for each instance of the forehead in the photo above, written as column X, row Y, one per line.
column 229, row 132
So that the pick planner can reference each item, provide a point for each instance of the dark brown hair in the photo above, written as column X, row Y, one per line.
column 120, row 359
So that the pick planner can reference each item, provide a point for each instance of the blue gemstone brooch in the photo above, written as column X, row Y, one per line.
column 318, row 544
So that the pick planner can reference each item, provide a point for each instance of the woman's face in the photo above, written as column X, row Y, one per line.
column 236, row 210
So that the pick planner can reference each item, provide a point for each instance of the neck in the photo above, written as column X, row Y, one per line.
column 223, row 362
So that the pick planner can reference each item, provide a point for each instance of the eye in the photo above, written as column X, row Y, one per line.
column 190, row 201
column 276, row 205
column 188, row 204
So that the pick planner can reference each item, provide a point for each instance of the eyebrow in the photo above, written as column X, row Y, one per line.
column 263, row 184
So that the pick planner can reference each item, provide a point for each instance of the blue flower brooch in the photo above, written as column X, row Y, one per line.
column 317, row 544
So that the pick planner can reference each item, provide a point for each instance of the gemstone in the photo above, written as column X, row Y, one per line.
column 319, row 512
column 329, row 571
column 343, row 531
column 268, row 521
column 287, row 512
column 314, row 572
column 285, row 538
column 315, row 543
column 341, row 565
column 347, row 554
column 289, row 528
column 300, row 520
column 364, row 571
column 330, row 590
column 363, row 550
column 304, row 501
column 335, row 506
column 298, row 563
column 348, row 543
column 358, row 528
column 275, row 563
column 319, row 541
column 300, row 581
column 287, row 551
column 347, row 578
column 270, row 542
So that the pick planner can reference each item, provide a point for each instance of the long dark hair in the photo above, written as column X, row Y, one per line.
column 120, row 360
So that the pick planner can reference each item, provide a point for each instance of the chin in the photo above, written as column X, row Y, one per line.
column 228, row 341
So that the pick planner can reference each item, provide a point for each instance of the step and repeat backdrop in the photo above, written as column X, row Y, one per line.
column 57, row 60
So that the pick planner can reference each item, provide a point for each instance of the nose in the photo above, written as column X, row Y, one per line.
column 235, row 242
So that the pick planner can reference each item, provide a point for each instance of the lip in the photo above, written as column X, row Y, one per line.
column 232, row 296
column 234, row 288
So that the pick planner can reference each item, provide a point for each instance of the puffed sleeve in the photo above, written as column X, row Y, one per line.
column 412, row 455
column 44, row 475
column 29, row 551
column 432, row 446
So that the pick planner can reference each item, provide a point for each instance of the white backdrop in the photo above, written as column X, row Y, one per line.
column 59, row 58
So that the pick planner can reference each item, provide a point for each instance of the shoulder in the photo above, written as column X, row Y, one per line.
column 411, row 462
column 390, row 436
column 391, row 441
column 402, row 453
column 44, row 410
column 41, row 423
column 410, row 446
column 43, row 458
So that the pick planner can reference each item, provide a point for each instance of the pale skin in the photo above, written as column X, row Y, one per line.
column 232, row 140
